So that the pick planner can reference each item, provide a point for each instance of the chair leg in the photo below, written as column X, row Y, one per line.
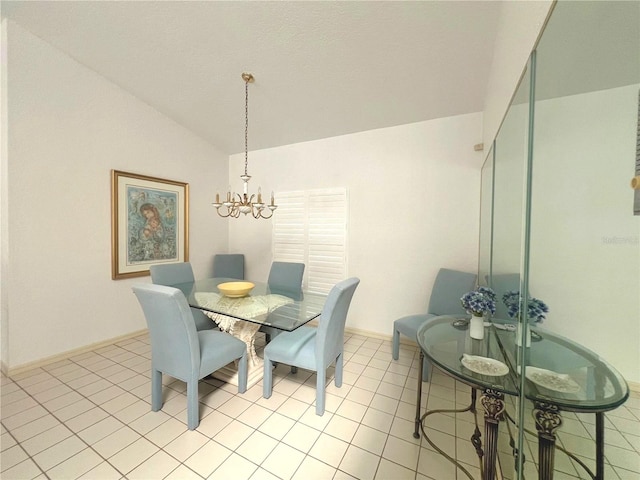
column 267, row 378
column 193, row 408
column 242, row 373
column 156, row 390
column 396, row 344
column 425, row 369
column 320, row 390
column 339, row 369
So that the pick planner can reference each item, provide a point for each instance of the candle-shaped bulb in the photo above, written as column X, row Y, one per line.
column 272, row 199
column 217, row 198
column 259, row 195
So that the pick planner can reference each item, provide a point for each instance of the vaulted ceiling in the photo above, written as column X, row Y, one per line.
column 322, row 68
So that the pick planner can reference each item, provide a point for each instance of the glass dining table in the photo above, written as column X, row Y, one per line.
column 243, row 316
column 559, row 375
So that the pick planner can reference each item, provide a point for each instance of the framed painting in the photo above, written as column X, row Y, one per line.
column 149, row 223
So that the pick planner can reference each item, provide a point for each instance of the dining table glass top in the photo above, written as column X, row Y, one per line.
column 556, row 369
column 277, row 308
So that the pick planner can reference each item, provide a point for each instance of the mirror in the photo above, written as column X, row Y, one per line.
column 583, row 255
column 510, row 161
column 585, row 242
column 486, row 202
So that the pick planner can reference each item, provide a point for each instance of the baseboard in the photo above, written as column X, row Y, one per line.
column 68, row 354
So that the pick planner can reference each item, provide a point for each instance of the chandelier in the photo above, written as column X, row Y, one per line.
column 236, row 203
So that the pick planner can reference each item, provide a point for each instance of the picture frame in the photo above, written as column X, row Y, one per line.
column 149, row 223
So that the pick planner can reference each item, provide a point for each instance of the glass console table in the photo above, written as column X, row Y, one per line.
column 559, row 375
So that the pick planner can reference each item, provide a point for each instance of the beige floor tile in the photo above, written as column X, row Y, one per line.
column 234, row 434
column 158, row 465
column 59, row 452
column 370, row 439
column 341, row 428
column 359, row 463
column 11, row 457
column 116, row 441
column 329, row 450
column 209, row 457
column 292, row 408
column 312, row 469
column 262, row 474
column 133, row 455
column 46, row 439
column 352, row 410
column 257, row 447
column 276, row 426
column 236, row 467
column 301, row 437
column 35, row 427
column 274, row 462
column 77, row 465
column 392, row 471
column 378, row 419
column 183, row 473
column 401, row 452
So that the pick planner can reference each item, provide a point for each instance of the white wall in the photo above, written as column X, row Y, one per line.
column 585, row 241
column 414, row 195
column 68, row 127
column 519, row 27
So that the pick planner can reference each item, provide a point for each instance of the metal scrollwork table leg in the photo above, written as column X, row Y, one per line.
column 493, row 404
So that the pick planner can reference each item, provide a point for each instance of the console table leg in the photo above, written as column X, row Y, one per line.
column 493, row 403
column 548, row 420
column 416, row 433
column 599, row 446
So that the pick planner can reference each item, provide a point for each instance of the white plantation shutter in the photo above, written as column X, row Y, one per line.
column 311, row 227
column 289, row 229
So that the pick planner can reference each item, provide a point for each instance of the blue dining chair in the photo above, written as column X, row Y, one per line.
column 448, row 288
column 173, row 273
column 285, row 278
column 228, row 265
column 314, row 348
column 179, row 350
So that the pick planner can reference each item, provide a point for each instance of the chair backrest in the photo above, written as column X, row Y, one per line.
column 330, row 334
column 175, row 349
column 501, row 283
column 228, row 265
column 286, row 278
column 448, row 288
column 171, row 273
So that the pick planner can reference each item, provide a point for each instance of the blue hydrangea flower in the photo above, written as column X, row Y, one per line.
column 479, row 301
column 536, row 309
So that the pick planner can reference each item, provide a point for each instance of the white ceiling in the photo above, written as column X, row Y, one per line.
column 322, row 68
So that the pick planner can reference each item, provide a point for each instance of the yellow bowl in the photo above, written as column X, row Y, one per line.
column 235, row 289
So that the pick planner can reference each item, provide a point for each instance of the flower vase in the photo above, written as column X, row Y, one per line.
column 519, row 335
column 476, row 327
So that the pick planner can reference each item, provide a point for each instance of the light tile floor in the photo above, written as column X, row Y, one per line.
column 89, row 417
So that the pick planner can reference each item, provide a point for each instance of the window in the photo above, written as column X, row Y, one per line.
column 311, row 227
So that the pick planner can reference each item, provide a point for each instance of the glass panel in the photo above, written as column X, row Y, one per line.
column 486, row 202
column 510, row 161
column 585, row 255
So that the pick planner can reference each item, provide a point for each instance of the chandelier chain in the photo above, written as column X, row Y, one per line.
column 246, row 125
